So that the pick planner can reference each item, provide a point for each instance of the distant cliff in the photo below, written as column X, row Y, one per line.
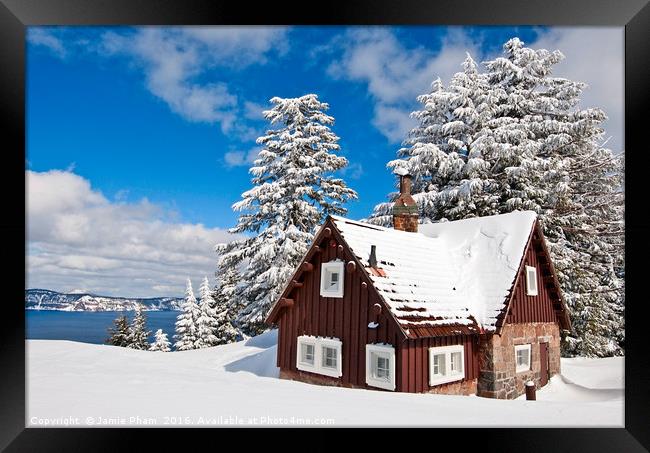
column 43, row 299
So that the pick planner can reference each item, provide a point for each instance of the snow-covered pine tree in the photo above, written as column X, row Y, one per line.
column 443, row 153
column 186, row 322
column 529, row 146
column 120, row 332
column 293, row 191
column 573, row 182
column 206, row 324
column 224, row 308
column 160, row 343
column 138, row 334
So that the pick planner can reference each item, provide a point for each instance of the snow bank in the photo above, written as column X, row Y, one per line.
column 588, row 380
column 77, row 384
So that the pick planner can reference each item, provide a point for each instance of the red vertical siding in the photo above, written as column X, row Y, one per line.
column 344, row 318
column 314, row 283
column 525, row 308
column 287, row 341
column 343, row 325
column 402, row 377
column 298, row 315
column 363, row 331
column 417, row 344
column 354, row 327
column 409, row 352
column 347, row 319
column 414, row 361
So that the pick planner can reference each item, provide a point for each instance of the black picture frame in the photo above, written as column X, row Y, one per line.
column 16, row 15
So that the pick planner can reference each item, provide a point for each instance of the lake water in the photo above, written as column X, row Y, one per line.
column 89, row 327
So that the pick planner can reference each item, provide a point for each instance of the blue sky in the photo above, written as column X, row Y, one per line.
column 157, row 126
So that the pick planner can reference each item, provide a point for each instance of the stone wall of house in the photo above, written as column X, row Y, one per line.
column 312, row 378
column 498, row 378
column 464, row 387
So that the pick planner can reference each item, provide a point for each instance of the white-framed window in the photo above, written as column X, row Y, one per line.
column 331, row 279
column 330, row 357
column 380, row 366
column 306, row 357
column 531, row 281
column 522, row 357
column 319, row 355
column 446, row 364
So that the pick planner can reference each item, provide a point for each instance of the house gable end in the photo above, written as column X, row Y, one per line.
column 327, row 232
column 545, row 306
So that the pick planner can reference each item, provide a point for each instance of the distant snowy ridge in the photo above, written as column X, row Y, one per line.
column 44, row 299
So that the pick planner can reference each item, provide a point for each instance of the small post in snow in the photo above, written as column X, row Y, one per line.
column 530, row 391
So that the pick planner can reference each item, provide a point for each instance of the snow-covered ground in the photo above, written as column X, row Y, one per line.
column 78, row 384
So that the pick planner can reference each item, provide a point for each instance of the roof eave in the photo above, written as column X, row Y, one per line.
column 366, row 277
column 275, row 310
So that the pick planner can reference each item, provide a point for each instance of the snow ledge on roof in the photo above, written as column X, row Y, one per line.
column 448, row 271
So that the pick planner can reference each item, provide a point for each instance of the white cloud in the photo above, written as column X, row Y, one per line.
column 170, row 62
column 47, row 38
column 245, row 45
column 353, row 171
column 177, row 63
column 395, row 75
column 241, row 158
column 393, row 122
column 77, row 238
column 253, row 111
column 594, row 56
column 174, row 59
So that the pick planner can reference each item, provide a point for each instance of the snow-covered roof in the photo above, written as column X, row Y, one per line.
column 448, row 272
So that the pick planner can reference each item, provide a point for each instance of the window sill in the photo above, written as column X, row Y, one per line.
column 446, row 379
column 386, row 385
column 332, row 296
column 305, row 367
column 320, row 371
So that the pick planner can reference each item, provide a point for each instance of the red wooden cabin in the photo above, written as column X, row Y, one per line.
column 470, row 306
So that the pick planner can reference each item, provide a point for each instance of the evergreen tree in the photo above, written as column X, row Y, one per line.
column 206, row 322
column 223, row 307
column 513, row 138
column 443, row 153
column 138, row 334
column 292, row 194
column 186, row 322
column 120, row 332
column 160, row 343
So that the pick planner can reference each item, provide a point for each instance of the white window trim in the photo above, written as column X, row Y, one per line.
column 331, row 343
column 318, row 343
column 522, row 369
column 386, row 350
column 529, row 290
column 448, row 377
column 335, row 265
column 306, row 339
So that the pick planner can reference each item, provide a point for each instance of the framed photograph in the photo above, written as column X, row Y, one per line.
column 374, row 215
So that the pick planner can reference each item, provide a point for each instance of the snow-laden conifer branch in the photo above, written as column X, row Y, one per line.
column 294, row 190
column 511, row 136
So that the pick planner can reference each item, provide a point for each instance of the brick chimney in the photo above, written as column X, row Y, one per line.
column 405, row 209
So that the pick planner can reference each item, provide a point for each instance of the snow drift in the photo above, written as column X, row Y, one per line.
column 77, row 384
